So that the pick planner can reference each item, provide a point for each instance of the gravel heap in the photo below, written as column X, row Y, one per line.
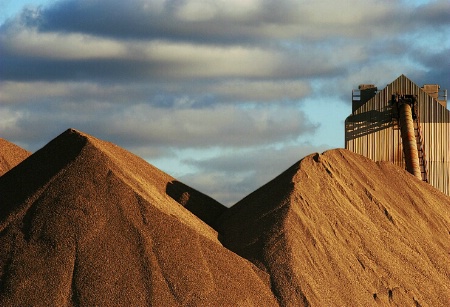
column 338, row 229
column 84, row 222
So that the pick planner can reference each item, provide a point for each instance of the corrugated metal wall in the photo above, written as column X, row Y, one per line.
column 372, row 130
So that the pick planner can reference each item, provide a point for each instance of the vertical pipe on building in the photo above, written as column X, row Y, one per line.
column 409, row 140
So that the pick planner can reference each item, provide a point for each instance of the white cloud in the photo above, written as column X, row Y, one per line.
column 209, row 127
column 24, row 92
column 62, row 46
column 190, row 60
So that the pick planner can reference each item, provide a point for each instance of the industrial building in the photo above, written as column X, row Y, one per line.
column 403, row 123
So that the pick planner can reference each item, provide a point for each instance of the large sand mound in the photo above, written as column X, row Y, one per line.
column 10, row 155
column 340, row 230
column 84, row 222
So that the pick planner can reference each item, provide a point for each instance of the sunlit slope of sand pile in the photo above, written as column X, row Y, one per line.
column 84, row 222
column 338, row 229
column 10, row 155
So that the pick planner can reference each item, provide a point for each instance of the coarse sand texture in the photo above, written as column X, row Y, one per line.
column 338, row 229
column 86, row 223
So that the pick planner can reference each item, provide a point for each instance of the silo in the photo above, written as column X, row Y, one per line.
column 374, row 129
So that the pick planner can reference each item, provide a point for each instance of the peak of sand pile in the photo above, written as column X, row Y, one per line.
column 10, row 155
column 84, row 222
column 338, row 229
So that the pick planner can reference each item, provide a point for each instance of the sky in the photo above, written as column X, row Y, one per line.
column 223, row 95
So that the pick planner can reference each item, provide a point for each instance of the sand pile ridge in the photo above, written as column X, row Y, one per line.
column 84, row 222
column 340, row 229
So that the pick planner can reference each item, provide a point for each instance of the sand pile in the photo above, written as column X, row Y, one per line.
column 340, row 230
column 10, row 155
column 84, row 222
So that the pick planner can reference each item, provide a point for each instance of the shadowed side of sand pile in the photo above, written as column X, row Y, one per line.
column 10, row 155
column 204, row 207
column 339, row 229
column 93, row 225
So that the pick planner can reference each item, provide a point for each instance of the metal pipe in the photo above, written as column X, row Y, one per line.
column 409, row 140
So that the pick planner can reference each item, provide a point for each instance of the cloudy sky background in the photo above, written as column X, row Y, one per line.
column 223, row 95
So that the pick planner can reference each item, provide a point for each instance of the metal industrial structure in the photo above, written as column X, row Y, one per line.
column 405, row 124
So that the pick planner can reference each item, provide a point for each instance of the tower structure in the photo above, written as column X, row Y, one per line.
column 405, row 124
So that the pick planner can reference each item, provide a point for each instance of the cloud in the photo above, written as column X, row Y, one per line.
column 131, row 126
column 225, row 22
column 437, row 72
column 226, row 94
column 80, row 57
column 62, row 46
column 24, row 92
column 202, row 10
column 433, row 13
column 221, row 126
column 174, row 20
